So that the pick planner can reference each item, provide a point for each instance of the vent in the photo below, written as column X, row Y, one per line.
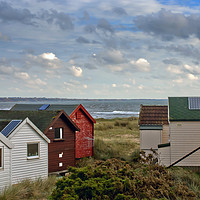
column 194, row 103
column 44, row 107
column 10, row 127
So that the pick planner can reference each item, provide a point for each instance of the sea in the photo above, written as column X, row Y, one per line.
column 100, row 108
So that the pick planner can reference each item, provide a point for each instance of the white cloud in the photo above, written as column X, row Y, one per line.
column 47, row 60
column 140, row 87
column 22, row 75
column 77, row 71
column 174, row 69
column 142, row 64
column 114, row 85
column 188, row 67
column 192, row 77
column 6, row 69
column 85, row 86
column 49, row 56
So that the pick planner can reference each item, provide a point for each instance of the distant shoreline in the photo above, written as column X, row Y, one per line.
column 36, row 99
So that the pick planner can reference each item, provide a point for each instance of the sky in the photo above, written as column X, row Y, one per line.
column 122, row 49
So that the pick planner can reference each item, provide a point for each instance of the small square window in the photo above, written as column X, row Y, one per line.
column 58, row 133
column 33, row 150
column 1, row 158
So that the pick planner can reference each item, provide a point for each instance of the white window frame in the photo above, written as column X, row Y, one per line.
column 60, row 132
column 2, row 157
column 33, row 157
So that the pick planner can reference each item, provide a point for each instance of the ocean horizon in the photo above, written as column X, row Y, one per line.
column 98, row 108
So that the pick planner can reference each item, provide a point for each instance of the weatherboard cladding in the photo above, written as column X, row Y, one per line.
column 43, row 119
column 153, row 115
column 179, row 110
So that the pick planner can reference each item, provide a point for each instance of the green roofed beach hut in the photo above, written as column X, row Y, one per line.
column 184, row 126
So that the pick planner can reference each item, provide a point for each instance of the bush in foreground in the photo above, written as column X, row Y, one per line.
column 117, row 180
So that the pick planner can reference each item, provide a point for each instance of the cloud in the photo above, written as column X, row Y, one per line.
column 49, row 56
column 184, row 50
column 6, row 69
column 169, row 25
column 174, row 69
column 119, row 11
column 192, row 77
column 82, row 40
column 77, row 71
column 47, row 60
column 171, row 61
column 63, row 20
column 111, row 57
column 141, row 64
column 140, row 87
column 114, row 85
column 10, row 14
column 105, row 26
column 86, row 16
column 22, row 75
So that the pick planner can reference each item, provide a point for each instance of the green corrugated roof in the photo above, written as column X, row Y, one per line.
column 179, row 111
column 34, row 107
column 41, row 119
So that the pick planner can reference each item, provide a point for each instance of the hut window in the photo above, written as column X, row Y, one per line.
column 33, row 150
column 1, row 157
column 58, row 133
column 78, row 115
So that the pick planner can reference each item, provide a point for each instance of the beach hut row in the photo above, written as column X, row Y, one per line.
column 172, row 131
column 38, row 139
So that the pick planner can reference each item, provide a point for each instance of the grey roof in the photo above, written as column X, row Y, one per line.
column 34, row 107
column 42, row 119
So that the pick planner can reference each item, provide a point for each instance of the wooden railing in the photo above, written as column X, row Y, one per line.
column 187, row 155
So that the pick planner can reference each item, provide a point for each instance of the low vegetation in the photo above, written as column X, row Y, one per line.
column 116, row 138
column 27, row 189
column 115, row 172
column 116, row 180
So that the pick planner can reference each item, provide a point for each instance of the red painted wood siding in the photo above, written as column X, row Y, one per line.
column 84, row 138
column 65, row 147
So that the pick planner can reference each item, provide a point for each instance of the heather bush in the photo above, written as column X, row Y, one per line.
column 114, row 179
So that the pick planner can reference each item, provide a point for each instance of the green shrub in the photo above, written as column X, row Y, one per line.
column 118, row 180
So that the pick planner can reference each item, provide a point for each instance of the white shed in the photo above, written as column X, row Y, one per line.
column 29, row 156
column 5, row 161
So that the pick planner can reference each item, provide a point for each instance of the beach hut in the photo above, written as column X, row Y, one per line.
column 24, row 152
column 85, row 137
column 58, row 128
column 184, row 123
column 154, row 127
column 5, row 161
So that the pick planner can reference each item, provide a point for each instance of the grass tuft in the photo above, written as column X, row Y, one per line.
column 27, row 189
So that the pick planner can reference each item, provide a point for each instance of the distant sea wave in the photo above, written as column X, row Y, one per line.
column 114, row 114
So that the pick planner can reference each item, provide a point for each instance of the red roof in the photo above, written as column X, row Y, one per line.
column 153, row 115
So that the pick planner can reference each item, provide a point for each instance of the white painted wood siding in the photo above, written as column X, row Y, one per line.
column 164, row 156
column 23, row 168
column 185, row 137
column 5, row 172
column 150, row 139
column 165, row 134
